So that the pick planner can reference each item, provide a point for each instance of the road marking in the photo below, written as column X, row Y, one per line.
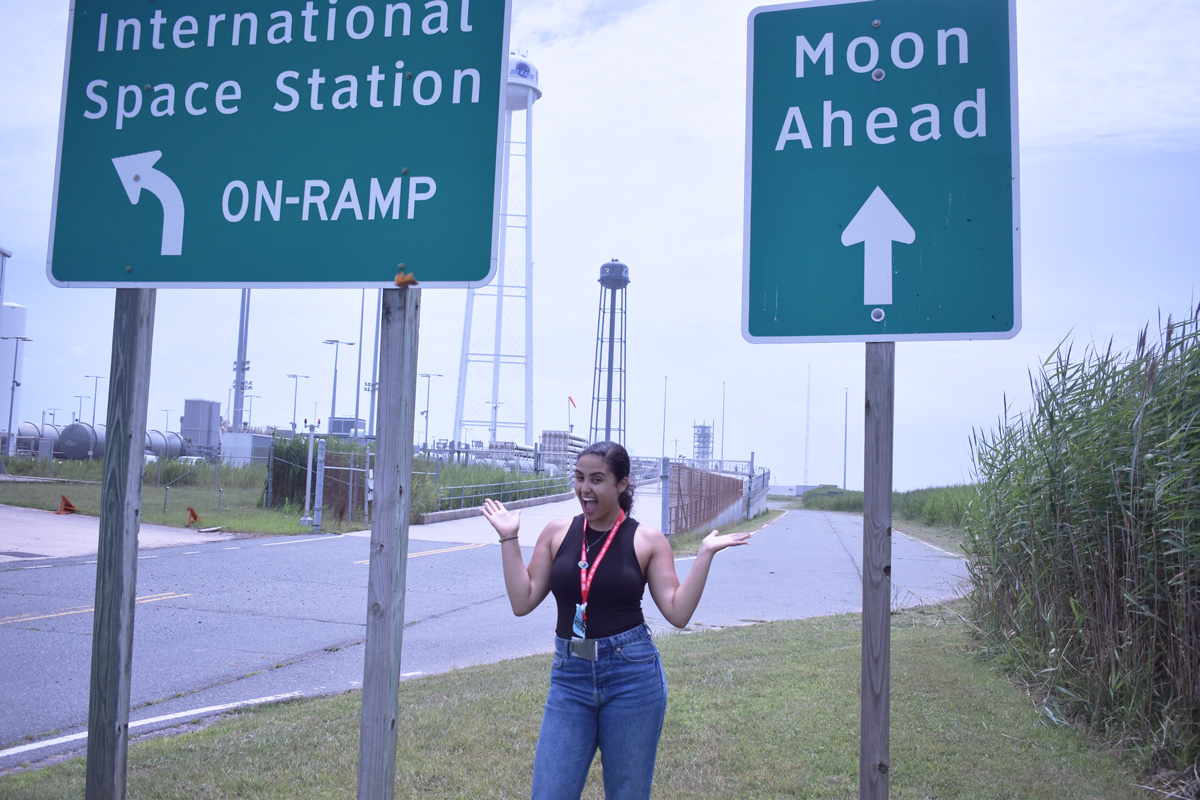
column 959, row 556
column 66, row 612
column 302, row 541
column 275, row 698
column 436, row 552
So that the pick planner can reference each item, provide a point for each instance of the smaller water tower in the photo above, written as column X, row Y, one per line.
column 608, row 385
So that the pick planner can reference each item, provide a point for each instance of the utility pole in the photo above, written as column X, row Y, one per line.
column 95, row 393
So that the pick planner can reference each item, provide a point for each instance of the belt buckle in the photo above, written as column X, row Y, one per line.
column 584, row 648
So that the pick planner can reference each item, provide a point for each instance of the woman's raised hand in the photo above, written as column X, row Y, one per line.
column 716, row 541
column 504, row 521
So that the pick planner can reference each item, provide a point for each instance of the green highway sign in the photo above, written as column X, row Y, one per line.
column 881, row 172
column 279, row 143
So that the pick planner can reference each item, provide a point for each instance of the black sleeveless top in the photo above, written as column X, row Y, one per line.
column 615, row 598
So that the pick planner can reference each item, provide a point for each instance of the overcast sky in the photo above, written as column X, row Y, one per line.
column 639, row 145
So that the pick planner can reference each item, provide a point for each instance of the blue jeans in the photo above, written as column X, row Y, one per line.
column 616, row 703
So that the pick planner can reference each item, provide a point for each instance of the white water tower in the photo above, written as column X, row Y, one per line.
column 495, row 373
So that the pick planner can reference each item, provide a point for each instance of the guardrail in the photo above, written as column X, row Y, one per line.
column 454, row 497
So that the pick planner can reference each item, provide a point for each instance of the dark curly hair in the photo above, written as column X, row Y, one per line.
column 617, row 459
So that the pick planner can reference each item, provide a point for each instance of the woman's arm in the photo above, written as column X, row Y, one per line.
column 677, row 601
column 527, row 586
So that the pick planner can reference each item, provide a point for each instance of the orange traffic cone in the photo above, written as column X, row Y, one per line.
column 192, row 517
column 64, row 506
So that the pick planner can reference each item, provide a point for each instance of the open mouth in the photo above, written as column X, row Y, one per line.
column 589, row 504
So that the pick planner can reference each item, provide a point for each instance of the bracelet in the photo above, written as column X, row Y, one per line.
column 509, row 539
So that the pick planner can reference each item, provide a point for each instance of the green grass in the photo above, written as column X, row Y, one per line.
column 940, row 506
column 763, row 711
column 688, row 544
column 932, row 515
column 240, row 511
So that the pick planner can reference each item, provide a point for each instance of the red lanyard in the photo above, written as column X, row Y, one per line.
column 585, row 574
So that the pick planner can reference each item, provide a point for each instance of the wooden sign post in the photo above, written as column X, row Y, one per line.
column 874, row 724
column 116, row 562
column 399, row 329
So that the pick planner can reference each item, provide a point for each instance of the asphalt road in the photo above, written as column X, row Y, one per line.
column 227, row 621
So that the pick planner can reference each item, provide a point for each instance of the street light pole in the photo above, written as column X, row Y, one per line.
column 12, row 393
column 81, row 398
column 722, row 424
column 167, row 420
column 250, row 411
column 295, row 392
column 427, row 376
column 333, row 403
column 845, row 437
column 362, row 311
column 95, row 393
column 307, row 518
column 492, row 430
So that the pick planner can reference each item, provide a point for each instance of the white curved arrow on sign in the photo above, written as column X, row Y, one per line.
column 877, row 224
column 137, row 172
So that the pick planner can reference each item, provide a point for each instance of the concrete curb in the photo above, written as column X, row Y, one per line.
column 463, row 513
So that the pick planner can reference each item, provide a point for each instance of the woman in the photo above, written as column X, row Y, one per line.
column 607, row 687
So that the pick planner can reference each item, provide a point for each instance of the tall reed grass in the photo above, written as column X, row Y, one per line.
column 345, row 487
column 1084, row 541
column 941, row 505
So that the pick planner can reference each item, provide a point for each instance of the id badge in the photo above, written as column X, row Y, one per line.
column 577, row 627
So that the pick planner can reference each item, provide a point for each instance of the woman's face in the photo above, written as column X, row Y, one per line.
column 598, row 490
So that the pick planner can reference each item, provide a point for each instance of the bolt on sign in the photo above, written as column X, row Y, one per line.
column 283, row 142
column 881, row 172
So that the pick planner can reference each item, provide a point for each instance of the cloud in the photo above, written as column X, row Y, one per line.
column 1117, row 74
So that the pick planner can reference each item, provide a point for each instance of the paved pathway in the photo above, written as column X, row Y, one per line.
column 29, row 533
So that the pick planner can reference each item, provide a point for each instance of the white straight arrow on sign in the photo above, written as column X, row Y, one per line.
column 877, row 224
column 137, row 172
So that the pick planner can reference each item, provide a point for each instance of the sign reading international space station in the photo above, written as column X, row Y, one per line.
column 282, row 142
column 881, row 172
